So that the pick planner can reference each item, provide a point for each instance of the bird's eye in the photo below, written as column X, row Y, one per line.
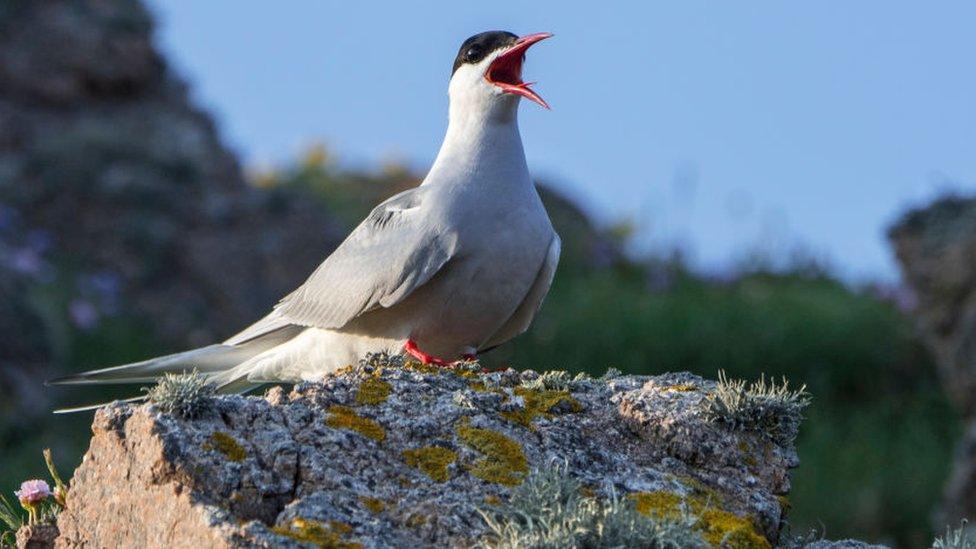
column 472, row 54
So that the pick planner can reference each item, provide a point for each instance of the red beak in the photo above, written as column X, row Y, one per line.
column 506, row 70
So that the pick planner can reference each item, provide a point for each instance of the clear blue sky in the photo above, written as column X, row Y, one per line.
column 723, row 126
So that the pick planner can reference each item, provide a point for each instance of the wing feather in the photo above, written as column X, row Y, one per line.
column 388, row 256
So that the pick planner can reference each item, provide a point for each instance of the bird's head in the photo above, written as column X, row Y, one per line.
column 487, row 73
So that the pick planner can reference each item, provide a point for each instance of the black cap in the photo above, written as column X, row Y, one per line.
column 475, row 49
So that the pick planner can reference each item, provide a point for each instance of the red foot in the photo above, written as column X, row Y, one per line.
column 411, row 348
column 469, row 357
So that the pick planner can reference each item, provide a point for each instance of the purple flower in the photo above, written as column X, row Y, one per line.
column 33, row 492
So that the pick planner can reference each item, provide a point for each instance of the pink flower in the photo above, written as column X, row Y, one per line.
column 32, row 492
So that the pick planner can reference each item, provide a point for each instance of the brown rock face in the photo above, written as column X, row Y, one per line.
column 936, row 247
column 398, row 456
column 117, row 198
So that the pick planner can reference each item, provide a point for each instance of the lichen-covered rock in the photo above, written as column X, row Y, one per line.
column 383, row 455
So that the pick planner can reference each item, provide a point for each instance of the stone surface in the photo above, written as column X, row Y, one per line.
column 405, row 456
column 936, row 247
column 40, row 536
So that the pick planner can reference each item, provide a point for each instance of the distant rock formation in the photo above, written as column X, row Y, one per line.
column 393, row 455
column 936, row 247
column 118, row 198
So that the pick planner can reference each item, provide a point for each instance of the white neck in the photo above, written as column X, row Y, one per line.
column 482, row 144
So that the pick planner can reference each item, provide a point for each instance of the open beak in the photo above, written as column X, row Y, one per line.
column 506, row 70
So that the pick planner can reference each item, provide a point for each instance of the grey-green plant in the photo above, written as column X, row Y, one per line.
column 187, row 395
column 553, row 380
column 769, row 408
column 549, row 511
column 382, row 360
column 963, row 537
column 12, row 520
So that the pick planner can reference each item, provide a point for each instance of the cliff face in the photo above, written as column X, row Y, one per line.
column 935, row 247
column 117, row 198
column 392, row 455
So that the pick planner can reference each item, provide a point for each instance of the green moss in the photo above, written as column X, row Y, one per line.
column 373, row 391
column 432, row 460
column 539, row 402
column 718, row 526
column 227, row 445
column 343, row 417
column 374, row 505
column 504, row 461
column 316, row 533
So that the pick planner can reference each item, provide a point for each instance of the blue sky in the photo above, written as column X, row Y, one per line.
column 721, row 126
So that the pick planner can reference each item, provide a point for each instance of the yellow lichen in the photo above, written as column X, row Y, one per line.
column 416, row 520
column 478, row 386
column 347, row 369
column 317, row 533
column 492, row 499
column 432, row 369
column 718, row 526
column 227, row 445
column 784, row 503
column 435, row 369
column 657, row 504
column 343, row 417
column 373, row 391
column 682, row 387
column 432, row 460
column 538, row 402
column 726, row 529
column 375, row 505
column 504, row 461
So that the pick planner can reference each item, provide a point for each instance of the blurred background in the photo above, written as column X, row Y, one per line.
column 778, row 189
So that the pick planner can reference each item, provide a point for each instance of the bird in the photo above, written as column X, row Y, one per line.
column 441, row 272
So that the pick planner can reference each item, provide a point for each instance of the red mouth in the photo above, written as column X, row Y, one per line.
column 506, row 70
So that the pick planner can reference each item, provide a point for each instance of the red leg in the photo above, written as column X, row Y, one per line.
column 411, row 348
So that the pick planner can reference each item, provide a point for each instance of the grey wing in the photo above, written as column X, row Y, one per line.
column 389, row 255
column 523, row 315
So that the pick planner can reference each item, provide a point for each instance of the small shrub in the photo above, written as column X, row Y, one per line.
column 185, row 395
column 549, row 510
column 963, row 537
column 770, row 409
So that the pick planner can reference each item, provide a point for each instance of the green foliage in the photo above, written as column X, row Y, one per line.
column 549, row 511
column 187, row 395
column 11, row 519
column 963, row 537
column 772, row 410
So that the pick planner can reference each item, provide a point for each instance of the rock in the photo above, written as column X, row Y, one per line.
column 38, row 536
column 386, row 454
column 935, row 246
column 118, row 199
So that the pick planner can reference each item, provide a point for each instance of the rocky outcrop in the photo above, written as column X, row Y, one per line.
column 386, row 454
column 936, row 247
column 118, row 200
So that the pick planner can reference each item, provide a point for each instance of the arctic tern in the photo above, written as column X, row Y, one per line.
column 443, row 271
